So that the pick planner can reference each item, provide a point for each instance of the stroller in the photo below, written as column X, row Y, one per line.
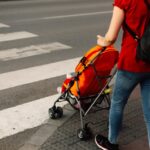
column 89, row 86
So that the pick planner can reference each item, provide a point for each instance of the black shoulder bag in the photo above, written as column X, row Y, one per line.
column 143, row 48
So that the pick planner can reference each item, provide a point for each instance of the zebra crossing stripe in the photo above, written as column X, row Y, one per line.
column 26, row 116
column 17, row 53
column 33, row 74
column 4, row 25
column 16, row 36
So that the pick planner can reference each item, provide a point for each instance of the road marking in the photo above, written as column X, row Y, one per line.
column 78, row 15
column 16, row 36
column 4, row 25
column 33, row 74
column 26, row 116
column 64, row 16
column 17, row 53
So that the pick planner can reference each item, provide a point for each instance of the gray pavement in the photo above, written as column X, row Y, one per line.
column 62, row 133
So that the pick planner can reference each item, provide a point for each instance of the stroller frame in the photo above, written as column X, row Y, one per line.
column 84, row 132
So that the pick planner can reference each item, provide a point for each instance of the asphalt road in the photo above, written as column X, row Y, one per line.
column 73, row 23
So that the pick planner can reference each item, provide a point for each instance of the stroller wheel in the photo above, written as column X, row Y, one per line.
column 55, row 112
column 84, row 134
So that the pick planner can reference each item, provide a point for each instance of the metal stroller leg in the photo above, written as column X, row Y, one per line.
column 84, row 133
column 81, row 116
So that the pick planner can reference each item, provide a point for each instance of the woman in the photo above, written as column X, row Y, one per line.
column 131, row 71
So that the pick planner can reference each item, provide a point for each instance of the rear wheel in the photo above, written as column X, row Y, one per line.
column 84, row 134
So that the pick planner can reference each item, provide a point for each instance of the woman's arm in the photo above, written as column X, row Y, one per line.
column 114, row 27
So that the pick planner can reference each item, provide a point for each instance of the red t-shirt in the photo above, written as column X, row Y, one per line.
column 137, row 16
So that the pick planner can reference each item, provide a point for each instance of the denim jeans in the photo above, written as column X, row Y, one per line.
column 125, row 83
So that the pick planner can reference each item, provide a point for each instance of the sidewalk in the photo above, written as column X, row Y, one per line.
column 62, row 134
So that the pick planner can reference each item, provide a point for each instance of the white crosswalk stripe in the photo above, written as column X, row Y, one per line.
column 4, row 25
column 32, row 50
column 33, row 74
column 25, row 116
column 16, row 36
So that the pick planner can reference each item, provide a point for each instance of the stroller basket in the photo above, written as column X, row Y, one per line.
column 89, row 86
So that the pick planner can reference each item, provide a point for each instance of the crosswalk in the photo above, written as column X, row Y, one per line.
column 34, row 113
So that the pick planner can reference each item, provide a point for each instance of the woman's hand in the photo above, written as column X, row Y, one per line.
column 102, row 41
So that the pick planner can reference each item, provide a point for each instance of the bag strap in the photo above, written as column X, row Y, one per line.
column 133, row 34
column 147, row 3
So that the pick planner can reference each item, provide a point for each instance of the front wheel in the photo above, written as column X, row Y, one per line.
column 55, row 112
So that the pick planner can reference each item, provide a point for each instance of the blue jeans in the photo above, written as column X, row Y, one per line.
column 125, row 83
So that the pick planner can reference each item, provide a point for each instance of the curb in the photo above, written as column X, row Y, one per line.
column 47, row 130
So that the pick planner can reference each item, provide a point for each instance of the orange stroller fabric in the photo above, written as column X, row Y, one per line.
column 91, row 81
